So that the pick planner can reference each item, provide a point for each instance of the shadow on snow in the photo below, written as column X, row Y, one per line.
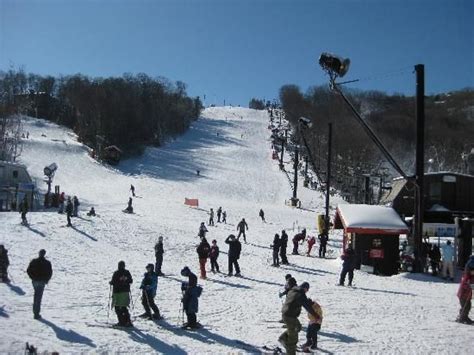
column 68, row 335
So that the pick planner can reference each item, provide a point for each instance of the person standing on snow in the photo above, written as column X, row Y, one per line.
column 132, row 189
column 121, row 280
column 211, row 217
column 159, row 251
column 202, row 231
column 348, row 266
column 313, row 328
column 214, row 254
column 129, row 208
column 203, row 250
column 261, row 214
column 69, row 210
column 276, row 248
column 242, row 227
column 234, row 254
column 24, row 208
column 4, row 263
column 75, row 202
column 148, row 286
column 61, row 201
column 300, row 237
column 448, row 260
column 224, row 217
column 40, row 272
column 323, row 241
column 191, row 293
column 219, row 213
column 283, row 245
column 311, row 241
column 465, row 292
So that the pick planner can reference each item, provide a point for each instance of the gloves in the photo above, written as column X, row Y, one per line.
column 280, row 294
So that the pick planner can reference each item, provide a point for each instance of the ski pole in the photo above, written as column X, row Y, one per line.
column 108, row 305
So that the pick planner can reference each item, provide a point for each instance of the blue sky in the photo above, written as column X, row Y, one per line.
column 239, row 49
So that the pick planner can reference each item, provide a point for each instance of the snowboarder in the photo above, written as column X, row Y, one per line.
column 448, row 260
column 129, row 208
column 234, row 254
column 313, row 328
column 132, row 188
column 295, row 299
column 159, row 251
column 121, row 280
column 91, row 213
column 61, row 200
column 261, row 214
column 23, row 209
column 211, row 217
column 213, row 255
column 75, row 202
column 4, row 262
column 311, row 241
column 224, row 217
column 465, row 292
column 323, row 241
column 348, row 266
column 202, row 231
column 148, row 286
column 242, row 227
column 191, row 293
column 219, row 213
column 69, row 209
column 300, row 237
column 283, row 245
column 276, row 248
column 203, row 250
column 40, row 272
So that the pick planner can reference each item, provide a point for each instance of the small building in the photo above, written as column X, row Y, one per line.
column 112, row 154
column 15, row 182
column 373, row 232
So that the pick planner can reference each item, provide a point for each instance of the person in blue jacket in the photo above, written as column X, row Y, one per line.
column 191, row 293
column 148, row 286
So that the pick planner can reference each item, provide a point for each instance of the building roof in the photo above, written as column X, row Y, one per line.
column 369, row 219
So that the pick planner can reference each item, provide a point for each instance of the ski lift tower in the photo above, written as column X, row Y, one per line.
column 49, row 172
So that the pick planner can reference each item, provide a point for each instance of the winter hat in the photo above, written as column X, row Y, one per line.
column 160, row 238
column 185, row 271
column 214, row 241
column 150, row 266
column 287, row 276
column 232, row 236
column 305, row 285
column 121, row 265
column 42, row 252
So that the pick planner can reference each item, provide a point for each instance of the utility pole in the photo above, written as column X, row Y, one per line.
column 283, row 141
column 328, row 179
column 420, row 155
column 295, row 167
column 366, row 190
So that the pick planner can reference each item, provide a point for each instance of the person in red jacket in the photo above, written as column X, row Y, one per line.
column 311, row 242
column 203, row 253
column 465, row 292
column 300, row 237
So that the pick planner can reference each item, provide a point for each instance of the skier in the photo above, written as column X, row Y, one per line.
column 148, row 286
column 24, row 210
column 261, row 214
column 202, row 231
column 75, row 202
column 191, row 293
column 211, row 217
column 121, row 280
column 4, row 262
column 69, row 209
column 234, row 254
column 290, row 283
column 91, row 213
column 300, row 237
column 241, row 227
column 323, row 240
column 219, row 213
column 313, row 328
column 61, row 200
column 448, row 260
column 129, row 208
column 224, row 217
column 159, row 251
column 132, row 188
column 348, row 266
column 203, row 250
column 40, row 272
column 214, row 254
column 465, row 292
column 295, row 299
column 283, row 245
column 276, row 248
column 311, row 241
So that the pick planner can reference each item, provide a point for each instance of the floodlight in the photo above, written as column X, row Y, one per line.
column 50, row 170
column 334, row 64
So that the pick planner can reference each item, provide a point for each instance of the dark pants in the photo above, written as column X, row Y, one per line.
column 211, row 221
column 23, row 217
column 38, row 296
column 159, row 262
column 276, row 261
column 322, row 250
column 284, row 259
column 192, row 319
column 465, row 308
column 242, row 232
column 312, row 334
column 214, row 265
column 234, row 263
column 290, row 336
column 149, row 302
column 69, row 219
column 344, row 272
column 202, row 266
column 122, row 315
column 295, row 247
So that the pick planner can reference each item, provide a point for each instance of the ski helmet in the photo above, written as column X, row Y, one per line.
column 151, row 267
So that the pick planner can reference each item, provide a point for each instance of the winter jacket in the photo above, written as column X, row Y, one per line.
column 349, row 259
column 202, row 231
column 323, row 239
column 121, row 281
column 24, row 206
column 69, row 207
column 295, row 299
column 234, row 248
column 190, row 299
column 4, row 261
column 242, row 226
column 40, row 269
column 311, row 241
column 465, row 287
column 203, row 249
column 150, row 283
column 319, row 314
column 159, row 249
column 435, row 254
column 284, row 240
column 214, row 254
column 448, row 253
column 299, row 237
column 276, row 243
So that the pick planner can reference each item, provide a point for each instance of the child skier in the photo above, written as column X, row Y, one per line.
column 191, row 293
column 148, row 287
column 214, row 254
column 202, row 231
column 314, row 326
column 311, row 242
column 465, row 292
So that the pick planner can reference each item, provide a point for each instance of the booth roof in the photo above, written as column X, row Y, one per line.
column 369, row 219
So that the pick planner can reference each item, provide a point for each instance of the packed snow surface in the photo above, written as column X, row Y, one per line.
column 231, row 148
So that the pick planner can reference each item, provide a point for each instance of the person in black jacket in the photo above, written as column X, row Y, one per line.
column 203, row 250
column 191, row 293
column 276, row 248
column 40, row 272
column 159, row 251
column 69, row 210
column 121, row 280
column 283, row 244
column 242, row 227
column 213, row 255
column 4, row 262
column 348, row 266
column 323, row 241
column 234, row 254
